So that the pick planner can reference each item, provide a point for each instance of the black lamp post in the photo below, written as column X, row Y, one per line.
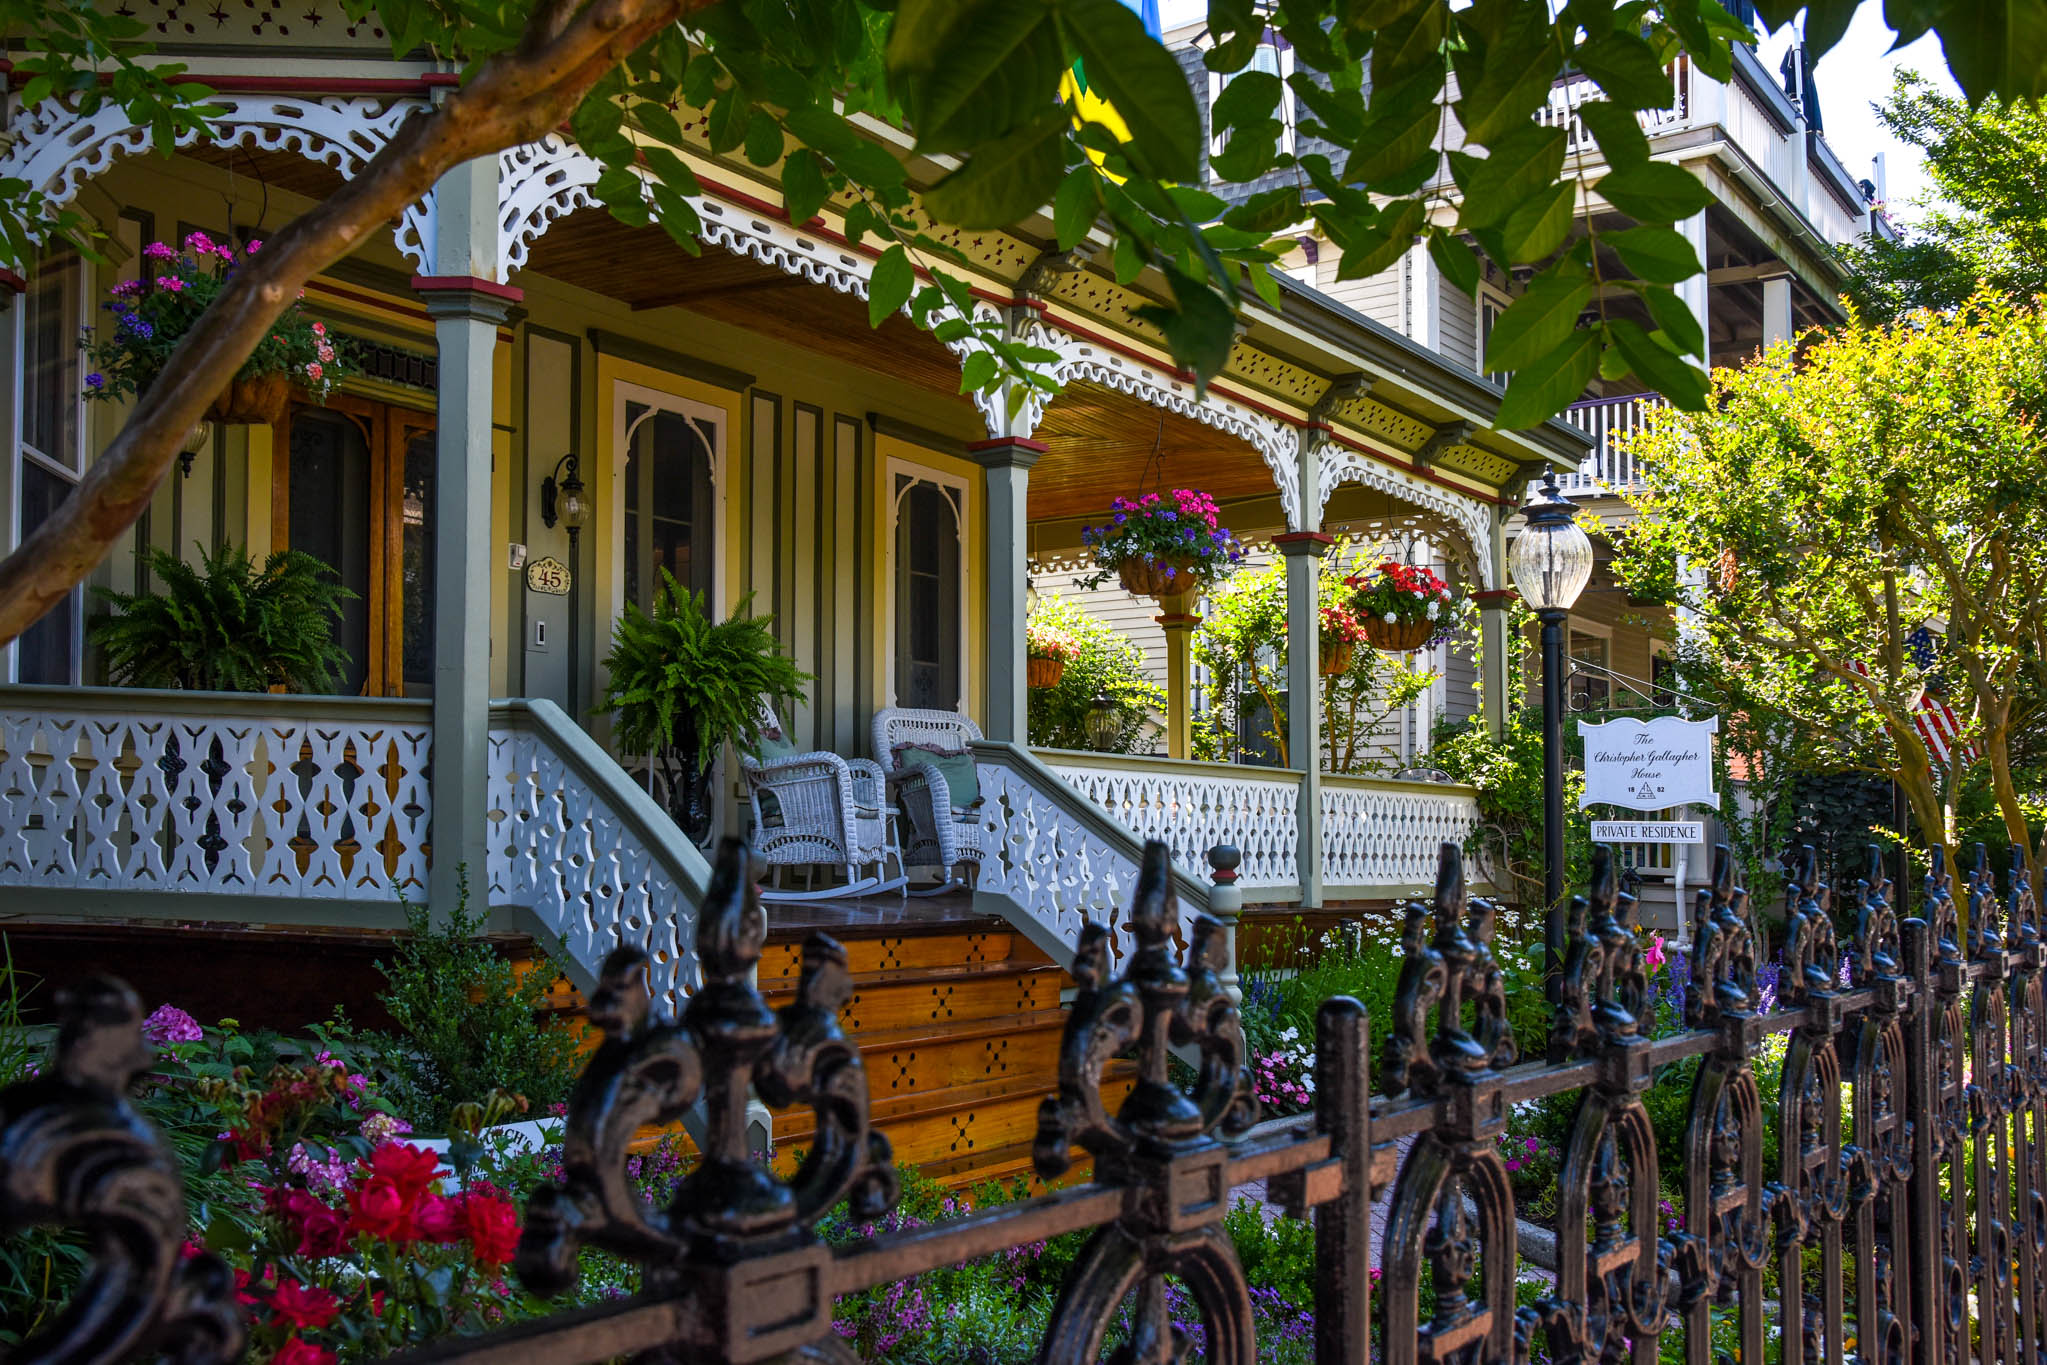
column 1551, row 561
column 1103, row 723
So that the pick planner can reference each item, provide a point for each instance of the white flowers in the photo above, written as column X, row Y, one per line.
column 1391, row 619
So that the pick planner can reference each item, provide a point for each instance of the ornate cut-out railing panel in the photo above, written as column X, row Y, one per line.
column 590, row 854
column 1380, row 838
column 114, row 790
column 1192, row 807
column 1902, row 1221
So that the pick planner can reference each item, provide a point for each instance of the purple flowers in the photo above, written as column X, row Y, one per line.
column 95, row 380
column 169, row 1024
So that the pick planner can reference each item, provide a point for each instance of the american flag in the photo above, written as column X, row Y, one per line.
column 1938, row 725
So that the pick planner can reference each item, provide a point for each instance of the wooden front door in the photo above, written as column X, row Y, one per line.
column 356, row 491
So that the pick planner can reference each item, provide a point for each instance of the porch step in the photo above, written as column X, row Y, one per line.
column 958, row 1022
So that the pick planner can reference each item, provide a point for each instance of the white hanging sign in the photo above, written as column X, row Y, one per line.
column 1649, row 764
column 1648, row 831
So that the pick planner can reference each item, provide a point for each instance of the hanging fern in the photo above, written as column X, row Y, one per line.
column 226, row 626
column 679, row 679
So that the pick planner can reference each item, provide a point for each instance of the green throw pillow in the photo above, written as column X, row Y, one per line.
column 962, row 782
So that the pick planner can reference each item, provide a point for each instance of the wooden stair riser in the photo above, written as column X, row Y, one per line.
column 939, row 1063
column 781, row 964
column 957, row 1002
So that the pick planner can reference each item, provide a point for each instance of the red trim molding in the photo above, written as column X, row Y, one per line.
column 466, row 284
column 1304, row 538
column 1178, row 618
column 1494, row 596
column 12, row 282
column 440, row 80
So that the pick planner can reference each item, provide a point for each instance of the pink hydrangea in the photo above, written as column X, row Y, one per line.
column 169, row 1024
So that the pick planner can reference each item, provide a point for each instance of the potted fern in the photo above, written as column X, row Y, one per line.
column 681, row 685
column 227, row 625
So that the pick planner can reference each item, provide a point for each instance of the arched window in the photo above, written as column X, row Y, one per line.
column 669, row 520
column 929, row 633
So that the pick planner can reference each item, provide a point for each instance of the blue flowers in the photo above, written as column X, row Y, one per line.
column 95, row 380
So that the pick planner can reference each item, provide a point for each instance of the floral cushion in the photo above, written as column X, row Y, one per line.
column 962, row 781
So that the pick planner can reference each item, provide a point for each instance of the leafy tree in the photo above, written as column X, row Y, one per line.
column 226, row 626
column 978, row 82
column 1985, row 218
column 1110, row 665
column 1885, row 481
column 1242, row 642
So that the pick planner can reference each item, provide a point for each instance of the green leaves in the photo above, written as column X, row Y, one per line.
column 1655, row 192
column 1009, row 179
column 804, row 190
column 1627, row 70
column 1539, row 321
column 1199, row 328
column 1658, row 254
column 972, row 72
column 1541, row 224
column 1135, row 73
column 1550, row 383
column 888, row 288
column 1657, row 366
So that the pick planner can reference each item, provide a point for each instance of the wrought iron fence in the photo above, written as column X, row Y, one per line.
column 1912, row 1131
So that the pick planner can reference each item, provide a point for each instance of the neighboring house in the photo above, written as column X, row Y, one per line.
column 1783, row 203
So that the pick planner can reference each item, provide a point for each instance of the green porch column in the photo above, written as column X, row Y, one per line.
column 1006, row 464
column 1495, row 642
column 1304, row 551
column 467, row 305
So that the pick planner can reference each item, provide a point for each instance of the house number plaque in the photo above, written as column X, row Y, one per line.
column 548, row 575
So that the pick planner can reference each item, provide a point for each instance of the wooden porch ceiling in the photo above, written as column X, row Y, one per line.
column 1100, row 445
column 278, row 170
column 643, row 267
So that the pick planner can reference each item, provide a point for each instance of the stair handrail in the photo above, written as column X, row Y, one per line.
column 1068, row 833
column 637, row 816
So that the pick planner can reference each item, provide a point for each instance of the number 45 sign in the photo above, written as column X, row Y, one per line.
column 548, row 575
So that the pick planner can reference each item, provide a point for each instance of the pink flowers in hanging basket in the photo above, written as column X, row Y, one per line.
column 1173, row 543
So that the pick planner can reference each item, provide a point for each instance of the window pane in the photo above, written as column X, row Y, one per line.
column 417, row 589
column 928, row 601
column 45, row 647
column 50, row 371
column 329, row 519
column 671, row 527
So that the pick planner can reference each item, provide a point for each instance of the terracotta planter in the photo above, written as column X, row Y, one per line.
column 262, row 401
column 1398, row 637
column 1337, row 660
column 1043, row 673
column 1160, row 578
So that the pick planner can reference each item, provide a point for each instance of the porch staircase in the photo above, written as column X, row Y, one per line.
column 958, row 1024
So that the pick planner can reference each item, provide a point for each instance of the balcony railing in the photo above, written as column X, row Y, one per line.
column 1610, row 467
column 1564, row 99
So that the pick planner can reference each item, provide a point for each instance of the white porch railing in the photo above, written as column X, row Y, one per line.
column 1382, row 838
column 587, row 851
column 299, row 798
column 1194, row 806
column 1052, row 859
column 270, row 806
column 1610, row 466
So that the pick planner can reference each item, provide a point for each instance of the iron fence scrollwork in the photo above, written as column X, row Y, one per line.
column 1902, row 1222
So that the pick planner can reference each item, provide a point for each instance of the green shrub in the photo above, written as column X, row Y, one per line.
column 227, row 626
column 1109, row 664
column 468, row 1023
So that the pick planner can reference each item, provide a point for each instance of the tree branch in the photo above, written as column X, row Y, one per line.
column 514, row 98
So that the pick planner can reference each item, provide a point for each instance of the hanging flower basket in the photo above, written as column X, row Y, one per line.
column 1043, row 673
column 1403, row 606
column 149, row 316
column 1047, row 650
column 1340, row 634
column 1338, row 660
column 1159, row 578
column 1162, row 546
column 261, row 401
column 1398, row 637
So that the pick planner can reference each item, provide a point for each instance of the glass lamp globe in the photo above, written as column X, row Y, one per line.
column 570, row 504
column 1551, row 560
column 1103, row 723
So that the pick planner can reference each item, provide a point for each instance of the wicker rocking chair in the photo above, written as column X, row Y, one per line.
column 817, row 809
column 931, row 773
